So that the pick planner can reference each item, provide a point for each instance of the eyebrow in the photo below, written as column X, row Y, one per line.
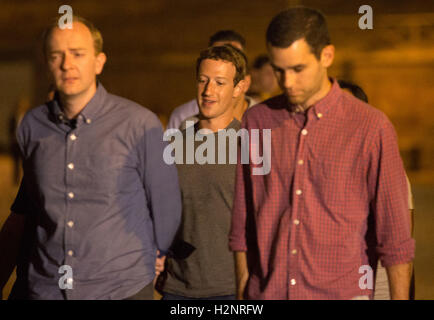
column 297, row 66
column 218, row 78
column 71, row 49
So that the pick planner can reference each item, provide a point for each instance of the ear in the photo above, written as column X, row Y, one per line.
column 247, row 82
column 327, row 55
column 239, row 89
column 101, row 58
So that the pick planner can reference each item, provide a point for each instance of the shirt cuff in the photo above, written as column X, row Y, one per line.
column 162, row 253
column 397, row 254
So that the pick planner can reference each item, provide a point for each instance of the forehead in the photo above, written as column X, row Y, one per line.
column 298, row 52
column 220, row 68
column 78, row 36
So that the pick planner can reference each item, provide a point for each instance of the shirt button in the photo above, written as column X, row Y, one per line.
column 298, row 192
column 319, row 115
column 88, row 121
column 73, row 137
column 300, row 162
column 70, row 224
column 293, row 282
column 70, row 195
column 296, row 222
column 70, row 253
column 304, row 132
column 294, row 251
column 71, row 166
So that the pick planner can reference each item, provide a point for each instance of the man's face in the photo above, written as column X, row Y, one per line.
column 300, row 75
column 216, row 92
column 72, row 62
column 267, row 80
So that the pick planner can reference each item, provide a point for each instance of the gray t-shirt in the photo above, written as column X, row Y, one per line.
column 207, row 195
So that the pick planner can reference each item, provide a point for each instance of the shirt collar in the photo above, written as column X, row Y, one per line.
column 322, row 106
column 92, row 110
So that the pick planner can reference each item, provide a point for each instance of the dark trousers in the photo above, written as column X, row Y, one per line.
column 147, row 293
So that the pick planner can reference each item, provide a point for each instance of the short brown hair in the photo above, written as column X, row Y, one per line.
column 227, row 36
column 96, row 34
column 228, row 53
column 299, row 23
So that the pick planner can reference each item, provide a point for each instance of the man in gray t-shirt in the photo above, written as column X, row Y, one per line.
column 200, row 265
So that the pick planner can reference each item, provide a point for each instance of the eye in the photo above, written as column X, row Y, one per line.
column 201, row 81
column 219, row 83
column 77, row 54
column 53, row 57
column 279, row 72
column 298, row 69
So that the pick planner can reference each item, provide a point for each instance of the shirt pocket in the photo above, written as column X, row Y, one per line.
column 104, row 174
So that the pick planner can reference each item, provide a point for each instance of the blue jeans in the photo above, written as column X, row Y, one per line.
column 169, row 296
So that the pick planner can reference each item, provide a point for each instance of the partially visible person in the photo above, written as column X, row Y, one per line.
column 96, row 201
column 264, row 84
column 354, row 89
column 201, row 266
column 189, row 110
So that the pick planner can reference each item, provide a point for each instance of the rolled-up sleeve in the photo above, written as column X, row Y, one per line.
column 389, row 199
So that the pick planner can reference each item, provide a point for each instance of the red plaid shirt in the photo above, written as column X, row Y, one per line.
column 304, row 224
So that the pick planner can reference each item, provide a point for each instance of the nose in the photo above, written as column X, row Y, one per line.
column 208, row 89
column 66, row 62
column 288, row 79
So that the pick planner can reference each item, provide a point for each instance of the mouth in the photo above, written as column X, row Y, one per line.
column 69, row 80
column 208, row 102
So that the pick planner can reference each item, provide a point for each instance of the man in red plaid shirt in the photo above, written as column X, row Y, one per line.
column 299, row 232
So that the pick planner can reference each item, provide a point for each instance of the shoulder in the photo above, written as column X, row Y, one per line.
column 356, row 110
column 186, row 110
column 190, row 106
column 34, row 116
column 267, row 114
column 125, row 108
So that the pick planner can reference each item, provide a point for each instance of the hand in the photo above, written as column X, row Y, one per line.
column 159, row 264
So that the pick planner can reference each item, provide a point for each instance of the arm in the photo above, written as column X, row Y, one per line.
column 390, row 203
column 241, row 273
column 161, row 187
column 238, row 234
column 10, row 240
column 399, row 281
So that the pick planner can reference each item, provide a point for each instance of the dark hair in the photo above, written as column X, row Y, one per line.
column 226, row 53
column 96, row 34
column 227, row 35
column 260, row 61
column 355, row 90
column 299, row 23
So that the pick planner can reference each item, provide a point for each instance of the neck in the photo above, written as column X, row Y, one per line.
column 240, row 108
column 322, row 92
column 217, row 123
column 72, row 105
